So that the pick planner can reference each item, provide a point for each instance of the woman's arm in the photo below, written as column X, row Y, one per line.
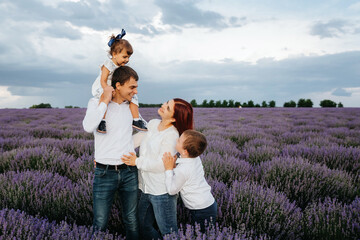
column 168, row 143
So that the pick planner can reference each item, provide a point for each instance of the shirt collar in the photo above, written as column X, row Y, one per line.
column 185, row 160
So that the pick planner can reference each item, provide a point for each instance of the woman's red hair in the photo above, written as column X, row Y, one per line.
column 183, row 114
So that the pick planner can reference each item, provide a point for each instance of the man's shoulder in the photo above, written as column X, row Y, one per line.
column 93, row 101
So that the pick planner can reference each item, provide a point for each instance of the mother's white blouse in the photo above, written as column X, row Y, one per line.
column 153, row 144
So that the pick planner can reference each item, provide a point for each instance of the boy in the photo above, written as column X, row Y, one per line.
column 188, row 178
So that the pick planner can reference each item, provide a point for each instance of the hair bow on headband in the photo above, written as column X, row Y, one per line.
column 119, row 36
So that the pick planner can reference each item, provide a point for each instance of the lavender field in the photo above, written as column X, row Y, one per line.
column 276, row 174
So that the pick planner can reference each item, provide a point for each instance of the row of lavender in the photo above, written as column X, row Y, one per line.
column 276, row 173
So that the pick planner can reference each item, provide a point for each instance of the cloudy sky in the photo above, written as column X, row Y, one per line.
column 50, row 50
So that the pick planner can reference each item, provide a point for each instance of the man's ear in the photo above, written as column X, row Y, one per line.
column 117, row 85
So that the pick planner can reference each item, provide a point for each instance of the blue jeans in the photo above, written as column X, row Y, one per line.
column 160, row 210
column 201, row 215
column 106, row 184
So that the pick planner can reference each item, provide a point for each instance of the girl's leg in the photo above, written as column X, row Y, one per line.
column 138, row 122
column 134, row 109
column 102, row 126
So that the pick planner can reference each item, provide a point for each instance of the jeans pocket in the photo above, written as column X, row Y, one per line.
column 132, row 168
column 99, row 172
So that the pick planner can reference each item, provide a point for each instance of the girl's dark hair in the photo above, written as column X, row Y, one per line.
column 183, row 114
column 119, row 45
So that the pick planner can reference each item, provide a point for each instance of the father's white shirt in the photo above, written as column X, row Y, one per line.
column 117, row 141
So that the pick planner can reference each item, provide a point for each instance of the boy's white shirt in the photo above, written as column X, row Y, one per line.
column 188, row 179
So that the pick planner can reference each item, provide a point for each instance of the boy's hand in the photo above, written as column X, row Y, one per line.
column 129, row 159
column 169, row 161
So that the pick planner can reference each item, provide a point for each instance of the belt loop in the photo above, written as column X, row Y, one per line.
column 107, row 166
column 116, row 167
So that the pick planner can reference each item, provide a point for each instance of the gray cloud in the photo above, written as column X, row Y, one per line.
column 62, row 30
column 91, row 13
column 330, row 29
column 186, row 13
column 341, row 92
column 115, row 14
column 267, row 80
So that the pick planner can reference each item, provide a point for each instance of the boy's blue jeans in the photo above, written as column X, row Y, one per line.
column 106, row 184
column 160, row 210
column 201, row 215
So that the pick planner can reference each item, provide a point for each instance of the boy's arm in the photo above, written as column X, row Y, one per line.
column 104, row 76
column 175, row 180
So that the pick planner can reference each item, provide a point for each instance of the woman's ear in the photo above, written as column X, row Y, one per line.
column 173, row 120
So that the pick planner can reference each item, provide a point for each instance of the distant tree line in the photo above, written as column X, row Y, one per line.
column 42, row 105
column 144, row 105
column 308, row 103
column 250, row 104
column 71, row 106
column 47, row 105
column 231, row 104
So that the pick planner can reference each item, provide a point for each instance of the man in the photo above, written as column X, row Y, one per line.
column 111, row 174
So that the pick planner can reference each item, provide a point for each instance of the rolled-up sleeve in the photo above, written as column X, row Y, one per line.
column 94, row 114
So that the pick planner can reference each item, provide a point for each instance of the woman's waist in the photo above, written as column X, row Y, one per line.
column 152, row 183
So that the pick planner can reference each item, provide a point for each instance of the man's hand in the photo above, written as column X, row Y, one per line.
column 169, row 161
column 129, row 159
column 107, row 95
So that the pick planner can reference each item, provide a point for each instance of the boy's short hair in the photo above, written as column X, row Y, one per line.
column 122, row 75
column 195, row 143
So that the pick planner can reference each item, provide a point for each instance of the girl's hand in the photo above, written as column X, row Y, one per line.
column 169, row 161
column 129, row 159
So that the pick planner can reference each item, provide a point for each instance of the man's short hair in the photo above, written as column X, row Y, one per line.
column 195, row 143
column 122, row 75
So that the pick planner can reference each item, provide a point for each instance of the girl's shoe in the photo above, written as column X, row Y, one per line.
column 102, row 127
column 139, row 125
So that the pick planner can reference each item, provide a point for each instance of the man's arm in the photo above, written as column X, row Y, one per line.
column 96, row 110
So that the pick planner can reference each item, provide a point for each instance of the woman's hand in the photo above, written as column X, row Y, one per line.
column 129, row 159
column 169, row 161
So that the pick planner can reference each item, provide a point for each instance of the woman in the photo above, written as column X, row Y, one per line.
column 155, row 203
